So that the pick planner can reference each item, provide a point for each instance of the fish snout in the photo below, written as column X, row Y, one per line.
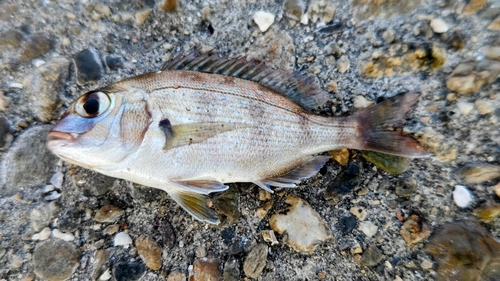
column 57, row 136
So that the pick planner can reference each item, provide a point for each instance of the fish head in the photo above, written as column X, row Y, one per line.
column 99, row 129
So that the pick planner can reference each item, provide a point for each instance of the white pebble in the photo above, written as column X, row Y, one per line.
column 64, row 236
column 106, row 275
column 57, row 179
column 464, row 107
column 264, row 20
column 42, row 235
column 53, row 196
column 439, row 26
column 368, row 228
column 462, row 196
column 361, row 102
column 122, row 239
column 38, row 62
column 305, row 19
column 15, row 85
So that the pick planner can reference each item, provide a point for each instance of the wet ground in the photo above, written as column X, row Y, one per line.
column 366, row 217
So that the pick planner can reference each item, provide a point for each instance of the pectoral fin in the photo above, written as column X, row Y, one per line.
column 305, row 169
column 187, row 134
column 196, row 205
column 203, row 186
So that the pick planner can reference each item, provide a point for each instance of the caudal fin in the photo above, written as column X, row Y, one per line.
column 377, row 126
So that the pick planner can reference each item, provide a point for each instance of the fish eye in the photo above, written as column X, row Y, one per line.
column 92, row 104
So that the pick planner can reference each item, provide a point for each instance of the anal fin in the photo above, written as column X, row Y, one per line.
column 307, row 168
column 196, row 205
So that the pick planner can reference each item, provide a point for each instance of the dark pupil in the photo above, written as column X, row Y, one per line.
column 91, row 106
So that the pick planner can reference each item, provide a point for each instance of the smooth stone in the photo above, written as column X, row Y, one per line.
column 11, row 38
column 347, row 224
column 389, row 35
column 111, row 229
column 361, row 102
column 37, row 45
column 439, row 25
column 129, row 271
column 464, row 107
column 303, row 226
column 474, row 173
column 113, row 62
column 368, row 228
column 488, row 213
column 44, row 86
column 372, row 256
column 406, row 187
column 88, row 66
column 55, row 259
column 149, row 251
column 255, row 262
column 23, row 168
column 414, row 230
column 462, row 196
column 122, row 239
column 264, row 20
column 294, row 9
column 390, row 163
column 168, row 5
column 42, row 235
column 108, row 213
column 206, row 269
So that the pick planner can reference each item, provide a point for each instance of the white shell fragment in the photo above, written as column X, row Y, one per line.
column 53, row 196
column 264, row 20
column 462, row 196
column 439, row 26
column 368, row 228
column 57, row 180
column 64, row 236
column 42, row 235
column 122, row 239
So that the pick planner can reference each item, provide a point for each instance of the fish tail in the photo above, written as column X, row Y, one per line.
column 376, row 127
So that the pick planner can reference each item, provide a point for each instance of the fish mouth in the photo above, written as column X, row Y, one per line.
column 56, row 136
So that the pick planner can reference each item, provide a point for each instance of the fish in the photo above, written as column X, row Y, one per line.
column 205, row 120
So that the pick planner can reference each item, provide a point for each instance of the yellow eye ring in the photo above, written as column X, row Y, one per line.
column 92, row 104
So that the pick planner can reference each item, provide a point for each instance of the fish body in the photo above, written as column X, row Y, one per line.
column 204, row 121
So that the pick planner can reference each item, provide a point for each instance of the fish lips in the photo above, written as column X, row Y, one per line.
column 68, row 129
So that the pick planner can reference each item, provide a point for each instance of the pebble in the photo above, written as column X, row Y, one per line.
column 16, row 262
column 268, row 236
column 343, row 64
column 426, row 264
column 389, row 35
column 492, row 52
column 200, row 252
column 371, row 257
column 347, row 224
column 57, row 179
column 255, row 262
column 11, row 38
column 474, row 6
column 122, row 239
column 488, row 213
column 361, row 102
column 23, row 168
column 88, row 66
column 69, row 220
column 469, row 77
column 176, row 275
column 406, row 187
column 168, row 5
column 111, row 229
column 113, row 62
column 40, row 217
column 42, row 235
column 304, row 227
column 129, row 271
column 264, row 20
column 106, row 275
column 149, row 251
column 462, row 196
column 206, row 269
column 368, row 228
column 262, row 211
column 43, row 87
column 346, row 180
column 496, row 188
column 142, row 15
column 414, row 230
column 485, row 106
column 390, row 163
column 464, row 249
column 474, row 173
column 37, row 45
column 439, row 25
column 168, row 237
column 340, row 155
column 64, row 236
column 464, row 107
column 226, row 203
column 331, row 87
column 495, row 24
column 52, row 196
column 359, row 212
column 294, row 9
column 55, row 259
column 102, row 9
column 108, row 213
column 231, row 270
column 100, row 262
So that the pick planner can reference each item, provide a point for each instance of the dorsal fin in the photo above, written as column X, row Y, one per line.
column 299, row 88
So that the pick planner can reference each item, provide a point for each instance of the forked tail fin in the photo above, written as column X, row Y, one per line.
column 377, row 124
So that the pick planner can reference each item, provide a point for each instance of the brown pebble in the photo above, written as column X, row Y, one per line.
column 206, row 269
column 474, row 6
column 340, row 155
column 168, row 5
column 256, row 261
column 332, row 87
column 149, row 251
column 496, row 188
column 488, row 213
column 108, row 213
column 479, row 172
column 414, row 230
column 176, row 276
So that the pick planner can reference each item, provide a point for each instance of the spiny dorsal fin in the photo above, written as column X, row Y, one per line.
column 299, row 88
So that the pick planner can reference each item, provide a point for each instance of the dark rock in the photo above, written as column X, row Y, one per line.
column 70, row 220
column 465, row 251
column 55, row 259
column 88, row 66
column 38, row 45
column 206, row 270
column 166, row 232
column 227, row 203
column 4, row 131
column 113, row 62
column 228, row 235
column 24, row 168
column 406, row 187
column 371, row 257
column 11, row 38
column 256, row 260
column 346, row 181
column 231, row 270
column 347, row 224
column 129, row 271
